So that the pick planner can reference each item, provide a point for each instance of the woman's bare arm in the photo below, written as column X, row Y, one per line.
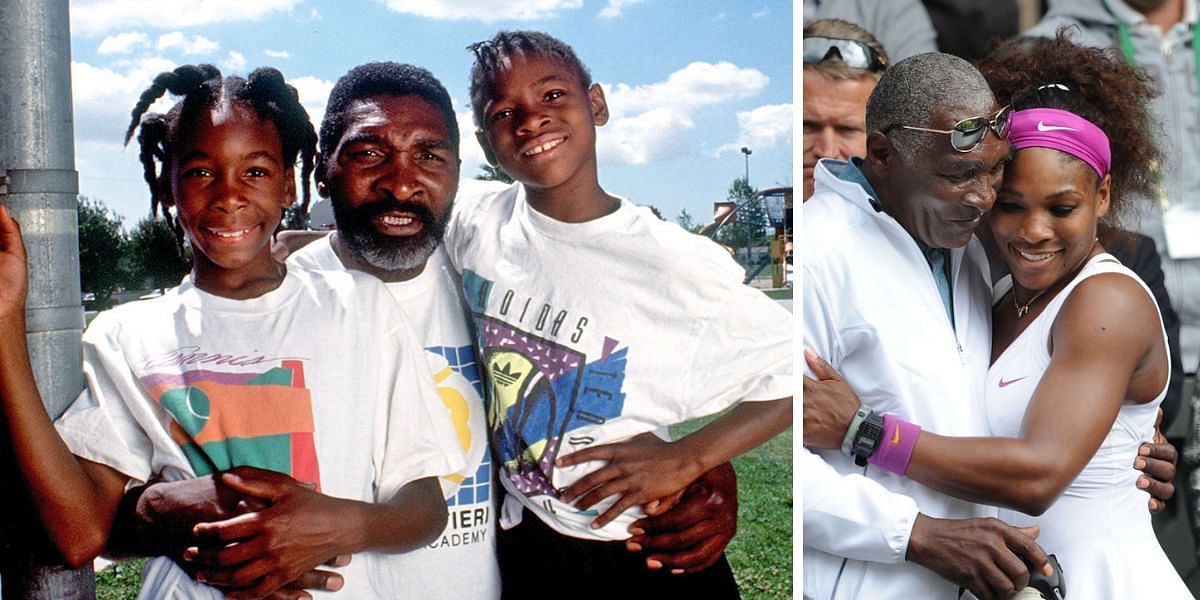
column 1106, row 336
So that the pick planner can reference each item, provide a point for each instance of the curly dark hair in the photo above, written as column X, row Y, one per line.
column 1100, row 87
column 202, row 87
column 493, row 55
column 379, row 78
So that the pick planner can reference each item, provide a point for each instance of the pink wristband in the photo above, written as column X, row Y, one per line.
column 895, row 448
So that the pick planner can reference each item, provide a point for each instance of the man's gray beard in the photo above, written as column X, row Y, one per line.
column 390, row 254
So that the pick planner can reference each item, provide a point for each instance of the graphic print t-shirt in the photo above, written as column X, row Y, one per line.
column 595, row 332
column 319, row 379
column 461, row 562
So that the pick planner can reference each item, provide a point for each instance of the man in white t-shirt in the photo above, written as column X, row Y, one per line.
column 389, row 167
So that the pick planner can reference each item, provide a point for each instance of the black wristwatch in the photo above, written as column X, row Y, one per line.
column 869, row 433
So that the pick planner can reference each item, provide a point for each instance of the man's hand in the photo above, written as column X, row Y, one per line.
column 986, row 556
column 829, row 405
column 258, row 552
column 691, row 536
column 1157, row 461
column 287, row 242
column 641, row 470
column 157, row 518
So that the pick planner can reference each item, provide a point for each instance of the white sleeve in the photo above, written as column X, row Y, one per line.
column 104, row 424
column 415, row 435
column 467, row 201
column 743, row 353
column 852, row 516
column 846, row 514
column 457, row 398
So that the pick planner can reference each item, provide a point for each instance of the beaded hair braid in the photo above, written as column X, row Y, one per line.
column 202, row 87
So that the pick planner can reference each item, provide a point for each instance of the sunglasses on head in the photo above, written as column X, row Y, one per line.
column 968, row 134
column 854, row 53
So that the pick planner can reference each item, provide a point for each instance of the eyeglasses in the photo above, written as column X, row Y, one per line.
column 854, row 53
column 968, row 133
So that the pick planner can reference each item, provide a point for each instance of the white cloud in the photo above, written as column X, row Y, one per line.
column 94, row 17
column 123, row 43
column 314, row 95
column 469, row 150
column 764, row 127
column 698, row 84
column 645, row 138
column 277, row 53
column 650, row 122
column 103, row 97
column 196, row 45
column 486, row 11
column 614, row 8
column 761, row 13
column 234, row 63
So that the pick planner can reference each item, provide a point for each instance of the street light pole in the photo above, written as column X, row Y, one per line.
column 749, row 227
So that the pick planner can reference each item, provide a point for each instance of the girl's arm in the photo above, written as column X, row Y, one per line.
column 1107, row 339
column 76, row 499
column 645, row 468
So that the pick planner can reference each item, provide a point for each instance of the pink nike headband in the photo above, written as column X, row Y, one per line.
column 1064, row 131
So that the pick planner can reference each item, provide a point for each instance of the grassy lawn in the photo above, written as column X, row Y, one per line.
column 761, row 554
column 120, row 581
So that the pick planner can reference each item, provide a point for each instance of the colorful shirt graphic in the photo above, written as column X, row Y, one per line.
column 462, row 364
column 596, row 332
column 539, row 393
column 261, row 418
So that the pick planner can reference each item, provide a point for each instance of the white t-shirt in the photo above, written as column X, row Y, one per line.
column 599, row 331
column 461, row 562
column 319, row 379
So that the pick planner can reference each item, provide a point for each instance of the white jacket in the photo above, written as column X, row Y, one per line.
column 872, row 309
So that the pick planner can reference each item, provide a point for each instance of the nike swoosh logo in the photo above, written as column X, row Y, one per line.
column 1004, row 383
column 896, row 435
column 1042, row 126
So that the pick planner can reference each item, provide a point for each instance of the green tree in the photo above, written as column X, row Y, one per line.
column 493, row 173
column 101, row 246
column 294, row 218
column 687, row 221
column 654, row 210
column 154, row 255
column 749, row 230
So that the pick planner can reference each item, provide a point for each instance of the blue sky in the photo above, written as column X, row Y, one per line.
column 688, row 83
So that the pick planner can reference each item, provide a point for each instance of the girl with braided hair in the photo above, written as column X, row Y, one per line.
column 1079, row 358
column 332, row 430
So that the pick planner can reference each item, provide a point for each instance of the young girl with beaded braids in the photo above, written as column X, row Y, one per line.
column 1079, row 361
column 312, row 378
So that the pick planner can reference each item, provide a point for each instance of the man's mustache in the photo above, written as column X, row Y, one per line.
column 373, row 209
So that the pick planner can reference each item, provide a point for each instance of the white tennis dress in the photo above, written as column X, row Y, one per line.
column 1100, row 527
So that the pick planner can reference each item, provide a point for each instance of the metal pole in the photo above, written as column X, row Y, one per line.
column 749, row 228
column 39, row 185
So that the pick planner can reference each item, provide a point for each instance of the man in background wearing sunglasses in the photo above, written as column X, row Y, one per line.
column 896, row 298
column 902, row 26
column 842, row 63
